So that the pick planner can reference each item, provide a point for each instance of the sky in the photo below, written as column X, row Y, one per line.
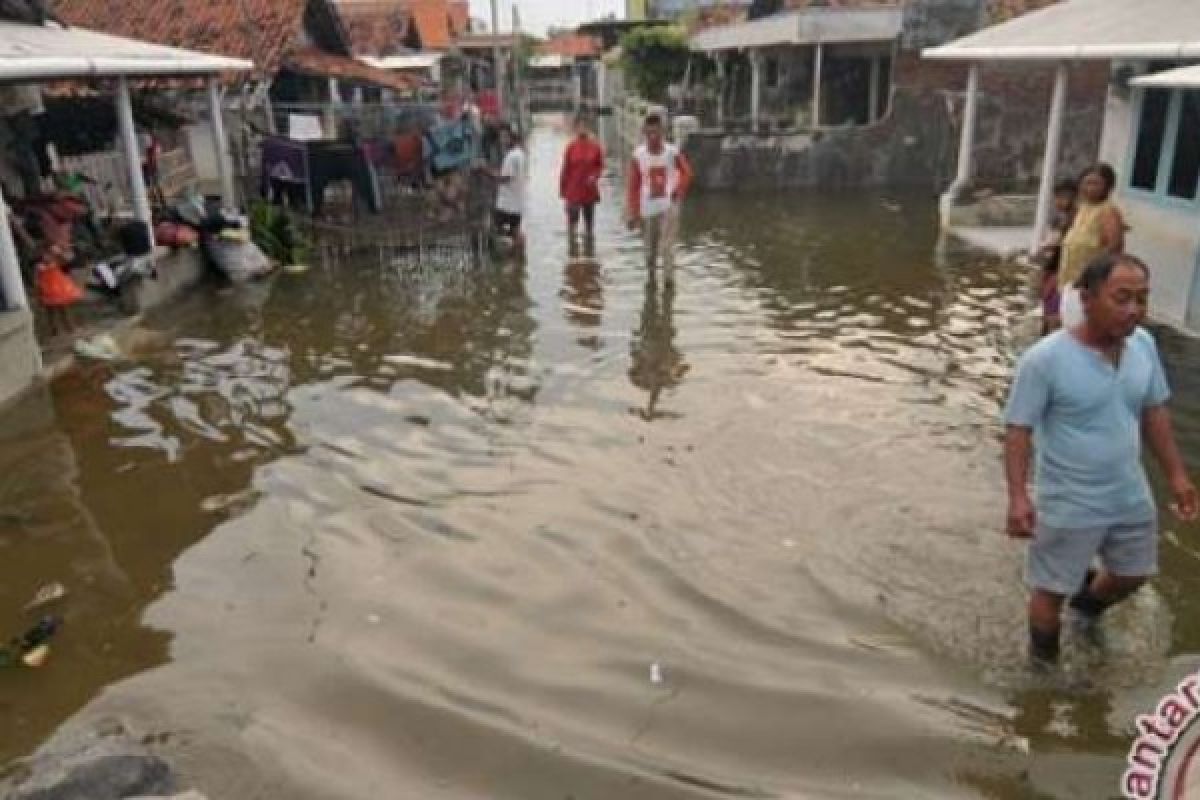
column 538, row 15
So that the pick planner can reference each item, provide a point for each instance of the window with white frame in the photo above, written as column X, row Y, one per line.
column 1166, row 153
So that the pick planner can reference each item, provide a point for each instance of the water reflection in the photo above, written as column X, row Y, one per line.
column 411, row 520
column 657, row 365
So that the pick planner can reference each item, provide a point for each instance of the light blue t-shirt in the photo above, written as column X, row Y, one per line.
column 1086, row 416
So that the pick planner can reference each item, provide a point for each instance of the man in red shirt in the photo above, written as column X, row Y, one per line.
column 579, row 182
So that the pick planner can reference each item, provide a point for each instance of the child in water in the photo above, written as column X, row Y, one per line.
column 1050, row 254
column 56, row 291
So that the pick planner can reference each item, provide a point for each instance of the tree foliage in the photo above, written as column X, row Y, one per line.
column 653, row 58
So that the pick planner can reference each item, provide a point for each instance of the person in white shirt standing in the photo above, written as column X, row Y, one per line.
column 510, row 192
column 659, row 178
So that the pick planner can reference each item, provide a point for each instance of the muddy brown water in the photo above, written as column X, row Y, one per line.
column 558, row 532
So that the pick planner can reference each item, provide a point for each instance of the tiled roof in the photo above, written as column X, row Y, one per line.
column 261, row 31
column 433, row 20
column 312, row 61
column 486, row 41
column 572, row 45
column 377, row 27
column 460, row 16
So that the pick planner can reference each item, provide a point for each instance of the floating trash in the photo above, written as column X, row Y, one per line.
column 37, row 657
column 50, row 593
column 102, row 347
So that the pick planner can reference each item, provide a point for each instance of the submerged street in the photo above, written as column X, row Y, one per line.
column 557, row 531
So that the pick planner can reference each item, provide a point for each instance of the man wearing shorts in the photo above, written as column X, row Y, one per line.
column 1084, row 399
column 510, row 192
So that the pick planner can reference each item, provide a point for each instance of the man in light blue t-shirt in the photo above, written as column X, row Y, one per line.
column 1084, row 399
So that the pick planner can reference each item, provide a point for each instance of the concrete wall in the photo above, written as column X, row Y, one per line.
column 20, row 358
column 1167, row 238
column 916, row 144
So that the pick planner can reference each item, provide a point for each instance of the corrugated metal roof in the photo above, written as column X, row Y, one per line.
column 809, row 26
column 1078, row 30
column 1182, row 78
column 32, row 53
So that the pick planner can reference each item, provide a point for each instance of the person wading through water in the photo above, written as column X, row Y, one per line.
column 579, row 184
column 1085, row 398
column 1097, row 228
column 659, row 179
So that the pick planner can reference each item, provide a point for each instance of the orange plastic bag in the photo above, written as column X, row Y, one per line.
column 55, row 287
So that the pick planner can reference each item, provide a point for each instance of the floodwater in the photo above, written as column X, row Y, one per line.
column 557, row 532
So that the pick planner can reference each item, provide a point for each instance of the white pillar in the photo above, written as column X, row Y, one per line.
column 10, row 265
column 331, row 115
column 133, row 155
column 1058, row 107
column 755, row 89
column 221, row 144
column 720, row 89
column 966, row 142
column 498, row 60
column 818, row 68
column 873, row 91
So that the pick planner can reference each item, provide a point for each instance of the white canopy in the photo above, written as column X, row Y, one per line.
column 408, row 61
column 1086, row 29
column 809, row 26
column 550, row 61
column 1182, row 78
column 33, row 53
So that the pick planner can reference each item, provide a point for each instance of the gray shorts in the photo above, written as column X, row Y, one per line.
column 1059, row 558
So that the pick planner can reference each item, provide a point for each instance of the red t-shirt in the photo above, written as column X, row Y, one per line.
column 582, row 167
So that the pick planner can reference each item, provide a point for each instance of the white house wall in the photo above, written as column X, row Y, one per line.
column 1167, row 239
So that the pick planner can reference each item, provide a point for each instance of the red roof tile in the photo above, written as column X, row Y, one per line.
column 378, row 27
column 312, row 61
column 460, row 16
column 262, row 31
column 572, row 45
column 432, row 18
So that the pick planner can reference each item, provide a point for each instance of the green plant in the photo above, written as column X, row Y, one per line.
column 653, row 58
column 273, row 231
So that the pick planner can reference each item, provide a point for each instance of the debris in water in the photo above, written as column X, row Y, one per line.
column 48, row 594
column 36, row 657
column 32, row 647
column 895, row 208
column 101, row 347
column 656, row 675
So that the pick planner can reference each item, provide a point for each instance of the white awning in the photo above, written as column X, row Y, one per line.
column 1077, row 30
column 810, row 26
column 1182, row 78
column 33, row 53
column 408, row 61
column 550, row 61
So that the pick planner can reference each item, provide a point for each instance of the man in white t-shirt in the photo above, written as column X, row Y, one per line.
column 659, row 179
column 510, row 192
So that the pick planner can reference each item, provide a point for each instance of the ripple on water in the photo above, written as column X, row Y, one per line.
column 525, row 533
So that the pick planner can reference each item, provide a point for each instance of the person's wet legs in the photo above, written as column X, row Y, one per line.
column 589, row 228
column 1045, row 626
column 666, row 245
column 573, row 230
column 652, row 233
